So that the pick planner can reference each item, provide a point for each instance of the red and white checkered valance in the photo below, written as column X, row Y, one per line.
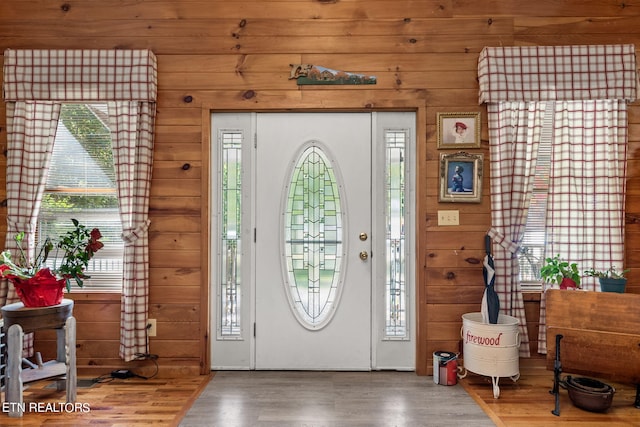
column 80, row 75
column 557, row 73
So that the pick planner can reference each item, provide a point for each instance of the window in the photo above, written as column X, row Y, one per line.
column 577, row 200
column 313, row 233
column 395, row 242
column 532, row 249
column 81, row 184
column 230, row 291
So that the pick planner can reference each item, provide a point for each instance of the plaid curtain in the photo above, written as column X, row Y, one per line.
column 131, row 126
column 586, row 206
column 551, row 73
column 514, row 135
column 510, row 79
column 31, row 129
column 80, row 75
column 122, row 77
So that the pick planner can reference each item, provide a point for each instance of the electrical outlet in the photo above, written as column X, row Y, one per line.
column 448, row 218
column 151, row 326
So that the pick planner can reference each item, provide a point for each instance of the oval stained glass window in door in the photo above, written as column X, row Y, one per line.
column 313, row 230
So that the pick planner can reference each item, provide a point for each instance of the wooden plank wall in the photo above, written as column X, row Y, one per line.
column 236, row 54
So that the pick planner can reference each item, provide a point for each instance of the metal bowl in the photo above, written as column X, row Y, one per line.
column 589, row 394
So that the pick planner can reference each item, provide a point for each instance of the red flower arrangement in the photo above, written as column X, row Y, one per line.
column 78, row 246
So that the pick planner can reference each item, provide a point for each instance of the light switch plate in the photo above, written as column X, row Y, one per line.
column 448, row 218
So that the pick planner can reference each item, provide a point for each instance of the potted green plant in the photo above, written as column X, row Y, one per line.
column 38, row 284
column 557, row 270
column 611, row 280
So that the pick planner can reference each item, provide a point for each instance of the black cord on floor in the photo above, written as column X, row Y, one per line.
column 124, row 374
column 147, row 356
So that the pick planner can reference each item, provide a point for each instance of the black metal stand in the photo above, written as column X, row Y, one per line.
column 557, row 370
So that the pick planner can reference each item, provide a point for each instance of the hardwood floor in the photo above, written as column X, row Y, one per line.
column 118, row 403
column 387, row 398
column 527, row 402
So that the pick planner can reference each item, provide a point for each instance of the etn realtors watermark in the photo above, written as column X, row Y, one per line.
column 49, row 407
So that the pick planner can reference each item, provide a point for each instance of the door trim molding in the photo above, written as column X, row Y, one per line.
column 325, row 101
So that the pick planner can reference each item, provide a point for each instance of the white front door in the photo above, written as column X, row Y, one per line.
column 312, row 241
column 313, row 270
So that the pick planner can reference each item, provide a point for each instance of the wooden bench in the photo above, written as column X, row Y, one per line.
column 600, row 334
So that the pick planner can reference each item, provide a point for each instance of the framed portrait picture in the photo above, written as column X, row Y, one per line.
column 458, row 130
column 461, row 177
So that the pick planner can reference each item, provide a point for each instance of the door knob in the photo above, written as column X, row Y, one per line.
column 364, row 255
column 363, row 236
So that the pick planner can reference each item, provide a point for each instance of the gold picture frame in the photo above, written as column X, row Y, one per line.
column 461, row 177
column 458, row 130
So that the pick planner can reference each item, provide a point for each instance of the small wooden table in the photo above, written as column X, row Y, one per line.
column 19, row 320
